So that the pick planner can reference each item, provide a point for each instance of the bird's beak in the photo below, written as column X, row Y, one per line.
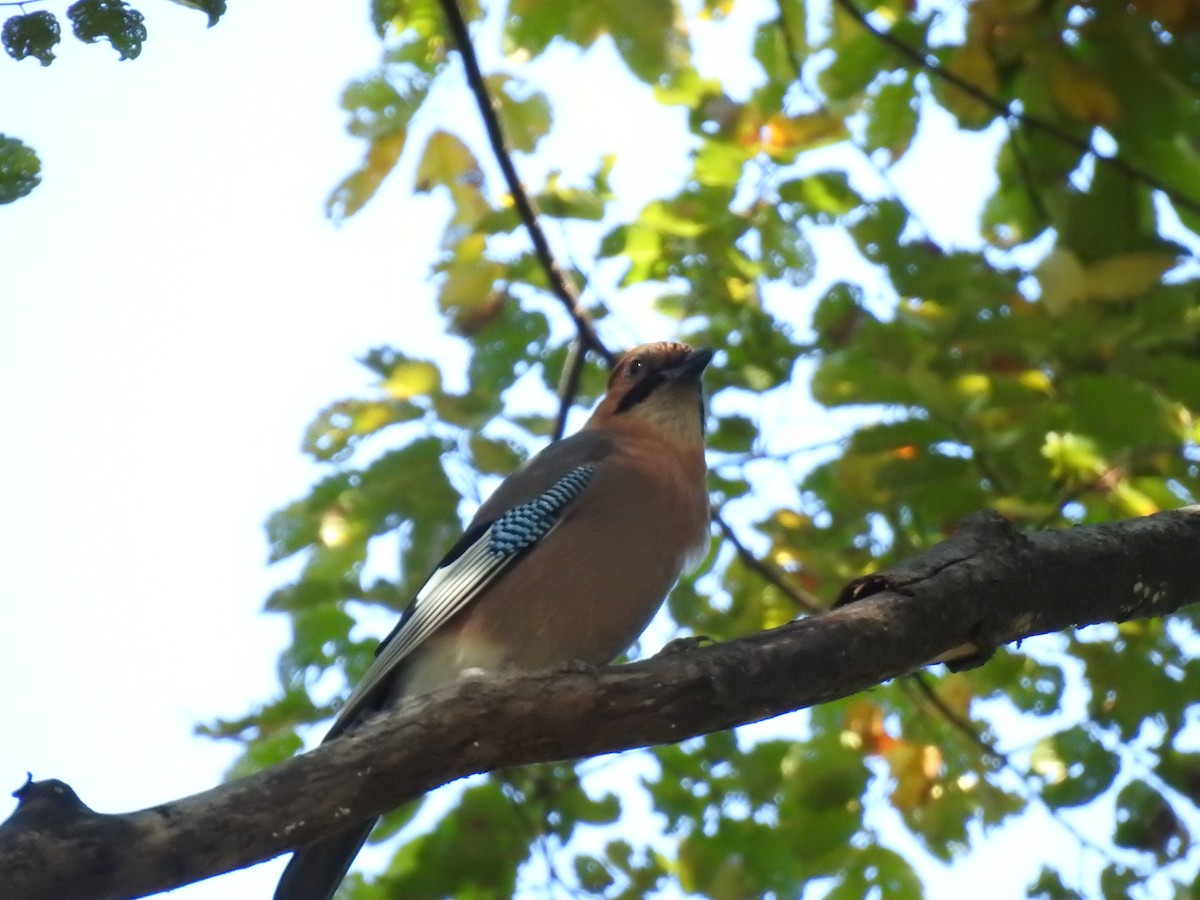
column 691, row 368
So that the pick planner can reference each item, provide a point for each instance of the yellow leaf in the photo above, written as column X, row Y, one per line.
column 412, row 379
column 863, row 728
column 973, row 64
column 1132, row 501
column 783, row 137
column 334, row 529
column 956, row 694
column 383, row 154
column 1063, row 280
column 1036, row 380
column 1072, row 457
column 915, row 768
column 927, row 310
column 973, row 384
column 739, row 289
column 1046, row 763
column 469, row 293
column 360, row 185
column 1081, row 94
column 791, row 519
column 1127, row 275
column 446, row 160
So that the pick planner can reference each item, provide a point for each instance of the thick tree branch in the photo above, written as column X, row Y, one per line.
column 560, row 282
column 986, row 586
column 1007, row 112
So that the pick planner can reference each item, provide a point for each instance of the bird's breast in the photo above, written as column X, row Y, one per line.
column 592, row 585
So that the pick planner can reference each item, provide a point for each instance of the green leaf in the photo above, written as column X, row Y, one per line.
column 591, row 873
column 878, row 232
column 524, row 114
column 33, row 34
column 451, row 861
column 1075, row 766
column 973, row 64
column 771, row 47
column 493, row 456
column 115, row 21
column 359, row 186
column 445, row 161
column 733, row 434
column 1147, row 821
column 1113, row 216
column 853, row 66
column 1119, row 411
column 560, row 201
column 297, row 525
column 1182, row 772
column 877, row 871
column 20, row 169
column 339, row 427
column 265, row 752
column 531, row 25
column 892, row 118
column 828, row 195
column 648, row 35
column 469, row 293
column 378, row 109
column 1030, row 686
column 385, row 13
column 381, row 107
column 214, row 9
column 1118, row 881
column 720, row 164
column 1049, row 886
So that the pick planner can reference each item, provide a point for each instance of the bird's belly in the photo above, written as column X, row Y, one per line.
column 572, row 598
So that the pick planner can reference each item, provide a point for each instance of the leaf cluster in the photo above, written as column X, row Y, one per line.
column 1048, row 367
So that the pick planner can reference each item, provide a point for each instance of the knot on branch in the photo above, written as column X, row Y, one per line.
column 44, row 805
column 980, row 539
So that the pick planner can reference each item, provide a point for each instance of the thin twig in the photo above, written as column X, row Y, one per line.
column 560, row 282
column 1026, row 173
column 960, row 724
column 568, row 385
column 1029, row 120
column 769, row 573
column 793, row 55
column 1030, row 792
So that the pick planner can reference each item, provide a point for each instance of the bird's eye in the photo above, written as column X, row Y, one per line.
column 636, row 366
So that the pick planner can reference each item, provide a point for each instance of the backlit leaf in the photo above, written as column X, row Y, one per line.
column 115, row 21
column 32, row 34
column 20, row 169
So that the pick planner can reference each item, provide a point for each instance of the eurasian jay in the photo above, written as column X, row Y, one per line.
column 567, row 561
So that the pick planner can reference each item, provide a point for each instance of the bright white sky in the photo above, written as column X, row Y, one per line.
column 175, row 311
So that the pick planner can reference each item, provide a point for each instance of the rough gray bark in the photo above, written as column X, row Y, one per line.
column 986, row 586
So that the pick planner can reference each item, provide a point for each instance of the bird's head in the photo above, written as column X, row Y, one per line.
column 658, row 387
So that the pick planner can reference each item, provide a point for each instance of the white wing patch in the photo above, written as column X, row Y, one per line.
column 452, row 587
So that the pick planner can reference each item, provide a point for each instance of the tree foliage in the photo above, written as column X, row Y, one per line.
column 1048, row 368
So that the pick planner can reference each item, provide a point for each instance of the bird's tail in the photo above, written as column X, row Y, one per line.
column 315, row 871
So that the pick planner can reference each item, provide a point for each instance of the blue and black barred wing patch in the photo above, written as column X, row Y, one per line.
column 468, row 568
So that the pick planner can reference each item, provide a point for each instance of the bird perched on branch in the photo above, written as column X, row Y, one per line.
column 567, row 561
